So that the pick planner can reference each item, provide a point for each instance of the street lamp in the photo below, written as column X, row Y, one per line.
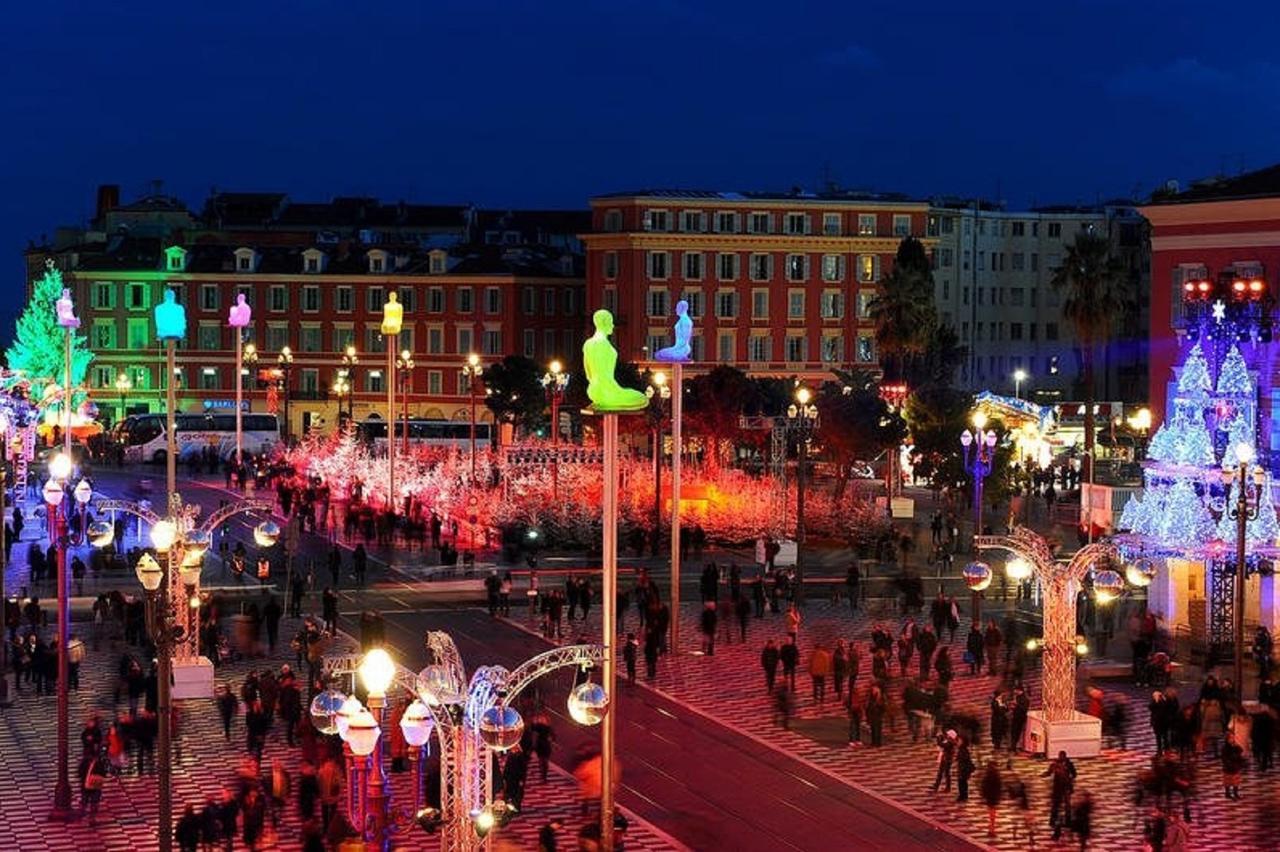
column 554, row 382
column 285, row 362
column 404, row 367
column 802, row 420
column 238, row 318
column 659, row 388
column 123, row 386
column 342, row 390
column 250, row 369
column 63, row 537
column 350, row 358
column 473, row 369
column 1247, row 489
column 1019, row 376
column 979, row 460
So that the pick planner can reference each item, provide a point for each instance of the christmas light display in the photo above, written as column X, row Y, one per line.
column 1193, row 381
column 1233, row 378
column 37, row 351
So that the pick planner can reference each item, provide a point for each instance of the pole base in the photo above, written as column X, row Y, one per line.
column 62, row 810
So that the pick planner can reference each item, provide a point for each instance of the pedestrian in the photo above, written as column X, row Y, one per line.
column 330, row 606
column 742, row 609
column 769, row 662
column 1233, row 761
column 271, row 613
column 946, row 744
column 359, row 564
column 289, row 704
column 819, row 671
column 652, row 641
column 875, row 710
column 1062, row 775
column 187, row 831
column 253, row 810
column 964, row 769
column 297, row 592
column 329, row 781
column 992, row 639
column 926, row 644
column 629, row 653
column 543, row 741
column 855, row 707
column 789, row 655
column 794, row 619
column 999, row 720
column 973, row 648
column 1083, row 818
column 708, row 623
column 839, row 666
column 308, row 790
column 504, row 595
column 851, row 580
column 335, row 565
column 1017, row 721
column 992, row 789
column 227, row 707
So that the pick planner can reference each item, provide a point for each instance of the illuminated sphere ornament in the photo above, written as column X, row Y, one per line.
column 101, row 533
column 588, row 703
column 163, row 534
column 501, row 727
column 60, row 466
column 350, row 707
column 977, row 576
column 83, row 492
column 1108, row 585
column 1141, row 572
column 1017, row 569
column 436, row 686
column 362, row 733
column 324, row 711
column 266, row 533
column 415, row 724
column 53, row 493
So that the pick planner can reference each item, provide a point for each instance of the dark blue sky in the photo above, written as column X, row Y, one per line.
column 548, row 102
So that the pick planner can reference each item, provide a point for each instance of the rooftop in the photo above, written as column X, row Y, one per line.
column 795, row 194
column 1262, row 183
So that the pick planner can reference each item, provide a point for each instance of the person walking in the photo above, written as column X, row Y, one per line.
column 329, row 779
column 790, row 657
column 999, row 721
column 271, row 614
column 359, row 564
column 964, row 769
column 946, row 744
column 926, row 644
column 769, row 662
column 839, row 667
column 992, row 639
column 875, row 710
column 973, row 649
column 329, row 602
column 629, row 653
column 227, row 706
column 856, row 709
column 709, row 628
column 794, row 620
column 1017, row 722
column 992, row 789
column 335, row 566
column 1233, row 761
column 1062, row 775
column 91, row 784
column 819, row 671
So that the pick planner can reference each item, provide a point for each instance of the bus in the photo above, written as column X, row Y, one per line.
column 144, row 440
column 426, row 433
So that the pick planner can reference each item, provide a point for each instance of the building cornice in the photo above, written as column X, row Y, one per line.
column 833, row 204
column 1232, row 240
column 660, row 240
column 1216, row 212
column 302, row 278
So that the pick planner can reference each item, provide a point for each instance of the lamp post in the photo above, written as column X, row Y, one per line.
column 238, row 318
column 979, row 458
column 123, row 386
column 285, row 362
column 1242, row 513
column 404, row 367
column 802, row 419
column 250, row 360
column 63, row 537
column 554, row 382
column 342, row 390
column 350, row 358
column 1019, row 376
column 659, row 388
column 473, row 369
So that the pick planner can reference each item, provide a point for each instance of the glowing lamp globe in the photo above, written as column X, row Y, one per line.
column 377, row 670
column 60, row 466
column 324, row 711
column 436, row 686
column 101, row 533
column 1082, row 647
column 53, row 493
column 501, row 727
column 363, row 733
column 1141, row 572
column 266, row 533
column 196, row 543
column 189, row 573
column 483, row 821
column 588, row 703
column 1108, row 585
column 415, row 724
column 83, row 492
column 346, row 712
column 149, row 572
column 163, row 534
column 1017, row 569
column 977, row 576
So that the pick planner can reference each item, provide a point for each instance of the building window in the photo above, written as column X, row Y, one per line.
column 436, row 263
column 528, row 301
column 833, row 350
column 727, row 304
column 1015, row 331
column 694, row 299
column 1019, row 229
column 103, row 377
column 832, row 267
column 657, row 302
column 465, row 301
column 948, row 224
column 796, row 349
column 656, row 220
column 724, row 347
column 376, row 263
column 797, row 267
column 797, row 223
column 104, row 334
column 139, row 297
column 761, row 267
column 492, row 300
column 405, row 295
column 313, row 264
column 727, row 223
column 1055, row 230
column 530, row 343
column 947, row 257
column 374, row 342
column 277, row 298
column 693, row 266
column 492, row 342
column 868, row 268
column 865, row 298
column 901, row 226
column 570, row 301
column 758, row 348
column 655, row 341
column 831, row 224
column 609, row 299
column 866, row 224
column 435, row 382
column 832, row 304
column 658, row 265
column 309, row 339
column 244, row 263
column 760, row 224
column 374, row 299
column 464, row 341
column 759, row 304
column 104, row 295
column 209, row 338
column 691, row 221
column 342, row 300
column 549, row 342
column 435, row 341
column 866, row 349
column 611, row 265
column 310, row 299
column 277, row 337
column 435, row 300
column 795, row 304
column 727, row 266
column 137, row 333
column 373, row 381
column 1016, row 296
column 1051, row 331
column 1035, row 262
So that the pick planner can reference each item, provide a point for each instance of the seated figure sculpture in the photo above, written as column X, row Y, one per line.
column 240, row 314
column 66, row 311
column 599, row 361
column 392, row 314
column 679, row 351
column 171, row 318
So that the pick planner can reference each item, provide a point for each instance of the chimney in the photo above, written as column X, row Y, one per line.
column 108, row 200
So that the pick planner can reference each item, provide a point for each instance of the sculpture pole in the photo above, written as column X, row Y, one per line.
column 239, row 397
column 677, row 406
column 609, row 613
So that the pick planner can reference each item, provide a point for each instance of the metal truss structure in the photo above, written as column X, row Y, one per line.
column 1060, row 580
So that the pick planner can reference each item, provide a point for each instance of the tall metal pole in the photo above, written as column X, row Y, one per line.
column 677, row 411
column 379, row 798
column 58, row 532
column 1242, row 521
column 391, row 420
column 803, row 456
column 472, row 385
column 164, row 678
column 609, row 608
column 555, row 444
column 171, row 402
column 657, row 484
column 239, row 333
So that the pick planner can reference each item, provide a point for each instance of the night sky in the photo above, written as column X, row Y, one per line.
column 545, row 103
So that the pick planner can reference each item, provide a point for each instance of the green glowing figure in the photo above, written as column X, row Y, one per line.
column 171, row 319
column 599, row 360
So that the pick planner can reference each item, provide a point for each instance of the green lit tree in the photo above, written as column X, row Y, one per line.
column 38, row 346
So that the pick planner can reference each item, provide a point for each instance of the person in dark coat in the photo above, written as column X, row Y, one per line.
column 1062, row 775
column 789, row 655
column 289, row 705
column 964, row 770
column 1017, row 721
column 926, row 644
column 991, row 789
column 1232, row 767
column 359, row 564
column 999, row 721
column 973, row 648
column 187, row 831
column 271, row 614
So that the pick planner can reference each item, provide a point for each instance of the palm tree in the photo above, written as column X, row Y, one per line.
column 1095, row 294
column 903, row 310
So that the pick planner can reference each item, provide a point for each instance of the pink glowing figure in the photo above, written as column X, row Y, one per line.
column 241, row 313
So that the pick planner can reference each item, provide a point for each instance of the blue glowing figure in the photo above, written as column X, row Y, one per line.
column 171, row 318
column 680, row 350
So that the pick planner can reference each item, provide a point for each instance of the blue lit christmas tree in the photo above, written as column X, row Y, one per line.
column 1233, row 378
